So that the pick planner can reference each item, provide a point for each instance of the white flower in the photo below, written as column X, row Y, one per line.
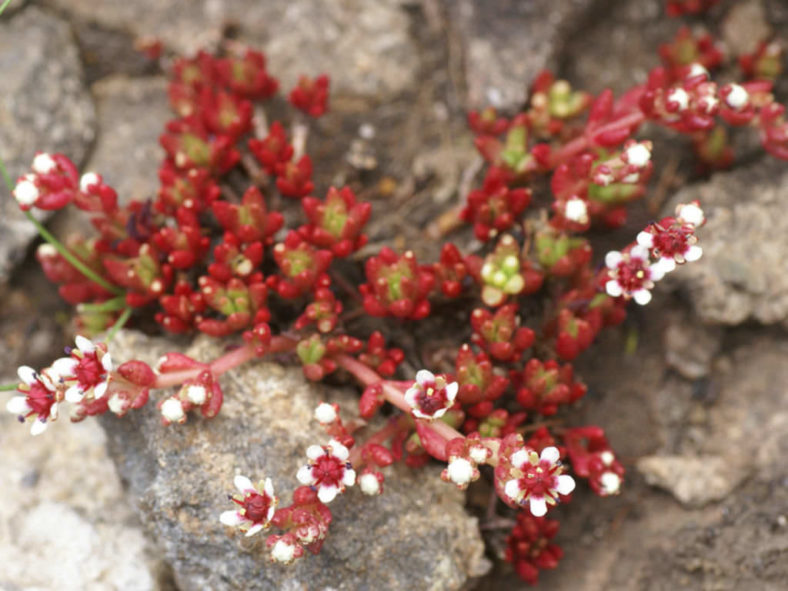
column 610, row 483
column 197, row 395
column 680, row 97
column 87, row 179
column 325, row 413
column 690, row 213
column 256, row 506
column 283, row 552
column 576, row 210
column 43, row 163
column 26, row 192
column 638, row 154
column 737, row 98
column 538, row 479
column 461, row 472
column 697, row 69
column 328, row 470
column 369, row 484
column 172, row 410
column 430, row 396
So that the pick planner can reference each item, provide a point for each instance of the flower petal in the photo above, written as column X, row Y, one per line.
column 268, row 487
column 538, row 506
column 693, row 253
column 314, row 451
column 550, row 454
column 424, row 376
column 566, row 484
column 642, row 296
column 38, row 427
column 64, row 367
column 254, row 529
column 613, row 288
column 18, row 405
column 74, row 394
column 612, row 259
column 326, row 494
column 519, row 458
column 349, row 477
column 243, row 484
column 451, row 391
column 27, row 375
column 645, row 239
column 85, row 345
column 338, row 450
column 106, row 362
column 232, row 518
column 512, row 490
column 100, row 390
column 305, row 476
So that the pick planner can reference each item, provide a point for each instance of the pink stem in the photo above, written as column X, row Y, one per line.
column 225, row 363
column 367, row 377
column 388, row 431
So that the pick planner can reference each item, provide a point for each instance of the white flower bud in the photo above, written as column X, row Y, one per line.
column 43, row 163
column 638, row 155
column 26, row 193
column 737, row 98
column 197, row 395
column 172, row 410
column 369, row 484
column 325, row 414
column 283, row 552
column 460, row 471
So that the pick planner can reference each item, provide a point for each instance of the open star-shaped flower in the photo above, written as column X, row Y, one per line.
column 256, row 506
column 430, row 396
column 328, row 470
column 538, row 480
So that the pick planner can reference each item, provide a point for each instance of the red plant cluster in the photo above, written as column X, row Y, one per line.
column 209, row 255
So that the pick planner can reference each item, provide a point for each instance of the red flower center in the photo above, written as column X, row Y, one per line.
column 89, row 371
column 328, row 470
column 431, row 400
column 670, row 242
column 539, row 480
column 40, row 399
column 632, row 274
column 256, row 506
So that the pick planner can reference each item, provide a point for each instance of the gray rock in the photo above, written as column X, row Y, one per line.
column 742, row 273
column 618, row 48
column 745, row 26
column 44, row 105
column 693, row 481
column 364, row 46
column 690, row 346
column 415, row 536
column 507, row 43
column 64, row 520
column 131, row 117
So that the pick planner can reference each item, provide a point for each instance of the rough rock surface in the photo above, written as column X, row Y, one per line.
column 364, row 46
column 415, row 536
column 131, row 117
column 507, row 43
column 694, row 482
column 745, row 239
column 690, row 347
column 44, row 105
column 64, row 520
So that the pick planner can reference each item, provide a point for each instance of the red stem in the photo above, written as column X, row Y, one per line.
column 225, row 363
column 367, row 377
